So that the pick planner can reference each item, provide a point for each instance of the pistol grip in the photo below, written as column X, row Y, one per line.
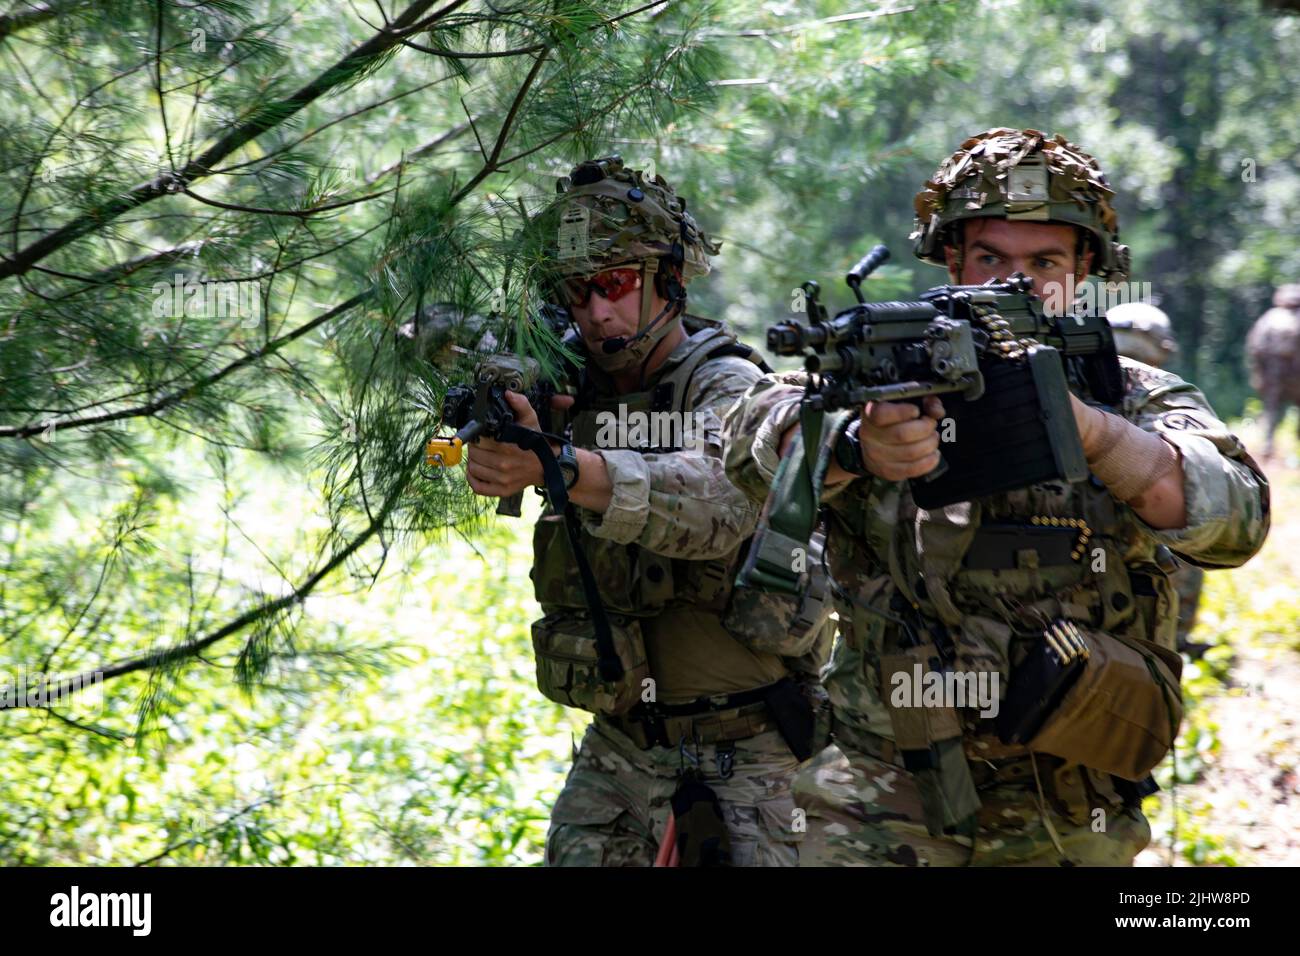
column 938, row 471
column 511, row 505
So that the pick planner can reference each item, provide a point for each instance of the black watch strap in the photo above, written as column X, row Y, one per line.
column 568, row 462
column 848, row 450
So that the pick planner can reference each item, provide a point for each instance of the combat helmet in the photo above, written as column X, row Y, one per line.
column 607, row 215
column 1020, row 175
column 1287, row 296
column 1143, row 332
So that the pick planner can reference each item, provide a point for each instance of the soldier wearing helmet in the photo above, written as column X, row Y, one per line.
column 1273, row 352
column 987, row 584
column 708, row 723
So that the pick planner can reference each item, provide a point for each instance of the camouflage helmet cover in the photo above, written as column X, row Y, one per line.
column 1023, row 176
column 606, row 215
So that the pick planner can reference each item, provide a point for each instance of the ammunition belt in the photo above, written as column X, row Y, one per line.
column 710, row 720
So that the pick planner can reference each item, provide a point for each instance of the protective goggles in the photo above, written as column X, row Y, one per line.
column 612, row 284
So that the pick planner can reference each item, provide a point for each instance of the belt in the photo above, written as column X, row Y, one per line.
column 710, row 720
column 1010, row 769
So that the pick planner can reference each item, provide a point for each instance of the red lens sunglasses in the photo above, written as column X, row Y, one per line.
column 612, row 284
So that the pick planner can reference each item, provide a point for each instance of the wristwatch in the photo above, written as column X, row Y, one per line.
column 568, row 462
column 848, row 450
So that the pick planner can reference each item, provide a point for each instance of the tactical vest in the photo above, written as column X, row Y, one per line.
column 653, row 600
column 633, row 581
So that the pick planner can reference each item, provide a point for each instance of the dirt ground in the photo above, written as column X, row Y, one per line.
column 1249, row 796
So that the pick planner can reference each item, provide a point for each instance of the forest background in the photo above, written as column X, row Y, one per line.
column 312, row 653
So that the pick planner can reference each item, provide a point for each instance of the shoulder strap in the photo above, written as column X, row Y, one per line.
column 714, row 342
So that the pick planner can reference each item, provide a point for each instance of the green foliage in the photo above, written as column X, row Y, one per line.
column 325, row 656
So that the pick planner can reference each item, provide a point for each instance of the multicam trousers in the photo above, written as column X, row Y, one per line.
column 863, row 811
column 614, row 807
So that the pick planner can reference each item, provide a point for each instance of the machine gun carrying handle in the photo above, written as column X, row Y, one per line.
column 868, row 264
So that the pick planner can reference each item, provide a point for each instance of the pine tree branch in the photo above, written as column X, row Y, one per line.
column 180, row 395
column 228, row 170
column 37, row 13
column 264, row 118
column 490, row 163
column 74, row 685
column 295, row 213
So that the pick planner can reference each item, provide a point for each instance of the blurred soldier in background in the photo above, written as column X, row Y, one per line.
column 1273, row 353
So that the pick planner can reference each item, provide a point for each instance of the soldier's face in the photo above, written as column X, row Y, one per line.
column 995, row 248
column 616, row 316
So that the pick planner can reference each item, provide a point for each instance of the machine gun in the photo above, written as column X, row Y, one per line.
column 1002, row 364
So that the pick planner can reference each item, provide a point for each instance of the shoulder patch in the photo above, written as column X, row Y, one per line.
column 1179, row 421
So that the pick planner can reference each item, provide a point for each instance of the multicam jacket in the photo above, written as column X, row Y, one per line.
column 880, row 543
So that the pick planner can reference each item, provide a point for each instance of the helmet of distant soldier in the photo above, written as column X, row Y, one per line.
column 1287, row 296
column 1143, row 332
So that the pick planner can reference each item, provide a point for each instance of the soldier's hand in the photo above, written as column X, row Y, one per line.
column 499, row 469
column 898, row 441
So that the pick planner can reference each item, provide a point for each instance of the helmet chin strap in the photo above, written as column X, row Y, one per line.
column 649, row 269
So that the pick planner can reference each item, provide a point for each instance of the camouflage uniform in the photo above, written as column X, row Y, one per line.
column 614, row 805
column 663, row 555
column 863, row 807
column 1143, row 333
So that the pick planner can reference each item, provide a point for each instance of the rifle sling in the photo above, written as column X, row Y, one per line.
column 792, row 507
column 611, row 669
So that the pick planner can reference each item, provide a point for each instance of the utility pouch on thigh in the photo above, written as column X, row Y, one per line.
column 702, row 838
column 568, row 671
column 1121, row 712
column 929, row 740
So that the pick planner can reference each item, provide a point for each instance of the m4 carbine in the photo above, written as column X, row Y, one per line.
column 480, row 409
column 1002, row 365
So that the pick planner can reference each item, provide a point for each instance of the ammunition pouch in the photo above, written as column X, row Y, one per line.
column 1117, row 712
column 777, row 622
column 556, row 586
column 568, row 671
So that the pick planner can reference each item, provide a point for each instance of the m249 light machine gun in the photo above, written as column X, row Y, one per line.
column 1002, row 364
